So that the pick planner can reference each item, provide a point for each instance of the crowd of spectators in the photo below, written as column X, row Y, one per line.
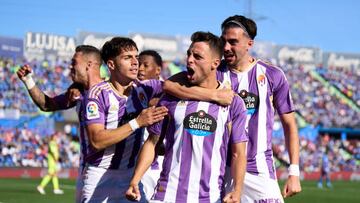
column 52, row 78
column 23, row 147
column 314, row 102
column 344, row 155
column 347, row 80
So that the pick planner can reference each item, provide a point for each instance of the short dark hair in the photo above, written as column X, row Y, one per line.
column 154, row 54
column 89, row 50
column 215, row 43
column 115, row 46
column 247, row 24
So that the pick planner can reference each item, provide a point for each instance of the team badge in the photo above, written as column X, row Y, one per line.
column 92, row 110
column 261, row 79
column 143, row 99
column 200, row 124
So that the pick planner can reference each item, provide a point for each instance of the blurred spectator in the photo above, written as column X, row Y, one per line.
column 314, row 102
column 13, row 94
column 25, row 148
column 342, row 155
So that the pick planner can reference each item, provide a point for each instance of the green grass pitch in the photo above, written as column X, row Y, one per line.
column 24, row 191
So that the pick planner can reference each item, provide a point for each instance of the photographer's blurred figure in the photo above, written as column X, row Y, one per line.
column 52, row 158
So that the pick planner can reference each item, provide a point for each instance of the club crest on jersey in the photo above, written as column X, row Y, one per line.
column 251, row 101
column 143, row 99
column 261, row 79
column 200, row 124
column 92, row 110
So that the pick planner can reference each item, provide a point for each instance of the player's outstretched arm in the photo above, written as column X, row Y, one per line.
column 178, row 86
column 146, row 157
column 101, row 138
column 43, row 101
column 292, row 185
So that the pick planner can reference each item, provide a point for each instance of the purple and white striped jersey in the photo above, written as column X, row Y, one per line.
column 80, row 110
column 264, row 89
column 197, row 138
column 105, row 106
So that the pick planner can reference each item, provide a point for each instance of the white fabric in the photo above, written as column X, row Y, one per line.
column 260, row 189
column 150, row 178
column 105, row 185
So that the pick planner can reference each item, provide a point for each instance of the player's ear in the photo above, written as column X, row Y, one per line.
column 88, row 65
column 111, row 65
column 215, row 64
column 250, row 43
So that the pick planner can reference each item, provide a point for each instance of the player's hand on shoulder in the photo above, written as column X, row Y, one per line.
column 73, row 94
column 224, row 96
column 151, row 115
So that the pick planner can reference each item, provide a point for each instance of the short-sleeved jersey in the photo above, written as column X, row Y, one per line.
column 105, row 106
column 265, row 90
column 197, row 138
column 62, row 101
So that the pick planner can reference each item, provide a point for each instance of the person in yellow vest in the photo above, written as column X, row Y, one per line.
column 52, row 158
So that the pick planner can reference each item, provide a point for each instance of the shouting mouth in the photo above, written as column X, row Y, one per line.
column 190, row 73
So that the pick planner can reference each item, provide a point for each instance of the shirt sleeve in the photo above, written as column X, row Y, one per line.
column 281, row 95
column 153, row 88
column 94, row 111
column 156, row 128
column 238, row 121
column 62, row 101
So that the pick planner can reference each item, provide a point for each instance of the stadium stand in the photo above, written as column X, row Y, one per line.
column 23, row 143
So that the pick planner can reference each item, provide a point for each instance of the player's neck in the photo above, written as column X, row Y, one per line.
column 245, row 64
column 209, row 83
column 121, row 88
column 93, row 81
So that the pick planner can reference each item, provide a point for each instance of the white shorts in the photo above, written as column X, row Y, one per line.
column 256, row 188
column 158, row 201
column 105, row 185
column 150, row 179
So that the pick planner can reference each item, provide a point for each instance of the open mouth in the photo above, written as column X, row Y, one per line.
column 141, row 75
column 190, row 72
column 134, row 70
column 228, row 55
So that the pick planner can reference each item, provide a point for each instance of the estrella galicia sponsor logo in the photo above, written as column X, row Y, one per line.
column 251, row 101
column 200, row 124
